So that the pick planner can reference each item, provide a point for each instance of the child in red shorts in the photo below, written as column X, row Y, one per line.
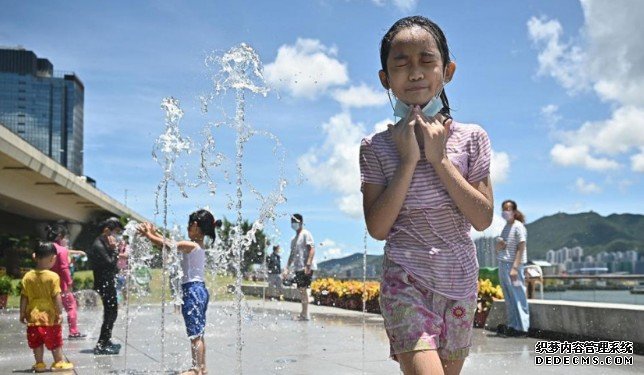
column 41, row 309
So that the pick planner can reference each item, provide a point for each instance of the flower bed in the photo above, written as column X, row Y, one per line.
column 349, row 295
column 487, row 292
column 346, row 294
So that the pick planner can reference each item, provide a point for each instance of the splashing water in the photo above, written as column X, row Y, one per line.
column 171, row 145
column 240, row 69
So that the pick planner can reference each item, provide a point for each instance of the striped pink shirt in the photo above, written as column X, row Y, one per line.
column 430, row 238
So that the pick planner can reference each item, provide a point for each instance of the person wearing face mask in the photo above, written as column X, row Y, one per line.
column 512, row 256
column 425, row 183
column 301, row 258
column 103, row 258
column 274, row 267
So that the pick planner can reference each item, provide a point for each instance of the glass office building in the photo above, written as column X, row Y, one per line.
column 43, row 107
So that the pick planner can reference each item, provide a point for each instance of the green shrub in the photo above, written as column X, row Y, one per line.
column 89, row 283
column 78, row 283
column 5, row 285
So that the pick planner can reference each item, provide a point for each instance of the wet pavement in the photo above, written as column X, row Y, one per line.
column 333, row 342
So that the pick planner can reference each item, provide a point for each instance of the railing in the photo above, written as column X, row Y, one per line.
column 594, row 288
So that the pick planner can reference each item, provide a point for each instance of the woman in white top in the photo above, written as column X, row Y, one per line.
column 512, row 256
column 201, row 231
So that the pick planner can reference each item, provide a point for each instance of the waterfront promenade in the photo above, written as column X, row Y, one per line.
column 331, row 343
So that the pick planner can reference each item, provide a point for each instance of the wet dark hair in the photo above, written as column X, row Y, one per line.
column 518, row 215
column 56, row 230
column 297, row 217
column 45, row 249
column 110, row 223
column 275, row 247
column 206, row 222
column 434, row 30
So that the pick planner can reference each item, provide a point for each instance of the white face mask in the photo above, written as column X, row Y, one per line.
column 430, row 110
column 295, row 226
column 434, row 106
column 507, row 215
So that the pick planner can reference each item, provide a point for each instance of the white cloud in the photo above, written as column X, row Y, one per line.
column 550, row 115
column 306, row 69
column 494, row 230
column 360, row 96
column 618, row 134
column 586, row 187
column 559, row 60
column 334, row 166
column 637, row 161
column 499, row 167
column 607, row 57
column 382, row 125
column 402, row 5
column 330, row 249
column 580, row 156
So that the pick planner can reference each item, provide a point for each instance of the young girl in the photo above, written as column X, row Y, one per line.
column 201, row 228
column 425, row 182
column 57, row 233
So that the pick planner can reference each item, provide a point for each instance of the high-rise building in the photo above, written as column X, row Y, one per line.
column 43, row 107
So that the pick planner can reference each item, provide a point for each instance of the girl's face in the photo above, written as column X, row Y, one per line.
column 415, row 71
column 194, row 232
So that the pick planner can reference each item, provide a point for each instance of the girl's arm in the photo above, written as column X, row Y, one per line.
column 23, row 309
column 518, row 256
column 59, row 307
column 382, row 204
column 475, row 200
column 76, row 252
column 147, row 230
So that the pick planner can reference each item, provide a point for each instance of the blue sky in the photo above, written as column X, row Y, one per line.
column 557, row 85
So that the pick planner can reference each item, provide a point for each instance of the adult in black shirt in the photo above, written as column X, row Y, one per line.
column 103, row 256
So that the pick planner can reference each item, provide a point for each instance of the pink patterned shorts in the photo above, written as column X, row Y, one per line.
column 418, row 319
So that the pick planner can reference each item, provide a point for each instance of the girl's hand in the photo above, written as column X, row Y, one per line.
column 435, row 131
column 405, row 138
column 514, row 274
column 144, row 229
column 23, row 318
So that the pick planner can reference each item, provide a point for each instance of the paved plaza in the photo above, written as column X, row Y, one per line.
column 335, row 341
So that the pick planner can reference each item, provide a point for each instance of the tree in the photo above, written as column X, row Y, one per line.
column 254, row 254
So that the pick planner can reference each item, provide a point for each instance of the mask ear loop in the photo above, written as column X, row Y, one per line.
column 391, row 103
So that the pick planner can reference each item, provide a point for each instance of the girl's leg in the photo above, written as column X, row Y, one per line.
column 69, row 302
column 198, row 352
column 58, row 354
column 425, row 362
column 453, row 367
column 38, row 353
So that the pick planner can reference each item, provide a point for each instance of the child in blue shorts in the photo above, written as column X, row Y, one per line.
column 201, row 230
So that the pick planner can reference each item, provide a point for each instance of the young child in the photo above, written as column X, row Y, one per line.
column 57, row 233
column 201, row 231
column 425, row 182
column 41, row 309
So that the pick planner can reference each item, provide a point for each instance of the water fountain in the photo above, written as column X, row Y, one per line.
column 240, row 70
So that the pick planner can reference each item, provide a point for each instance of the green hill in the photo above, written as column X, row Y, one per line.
column 591, row 231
